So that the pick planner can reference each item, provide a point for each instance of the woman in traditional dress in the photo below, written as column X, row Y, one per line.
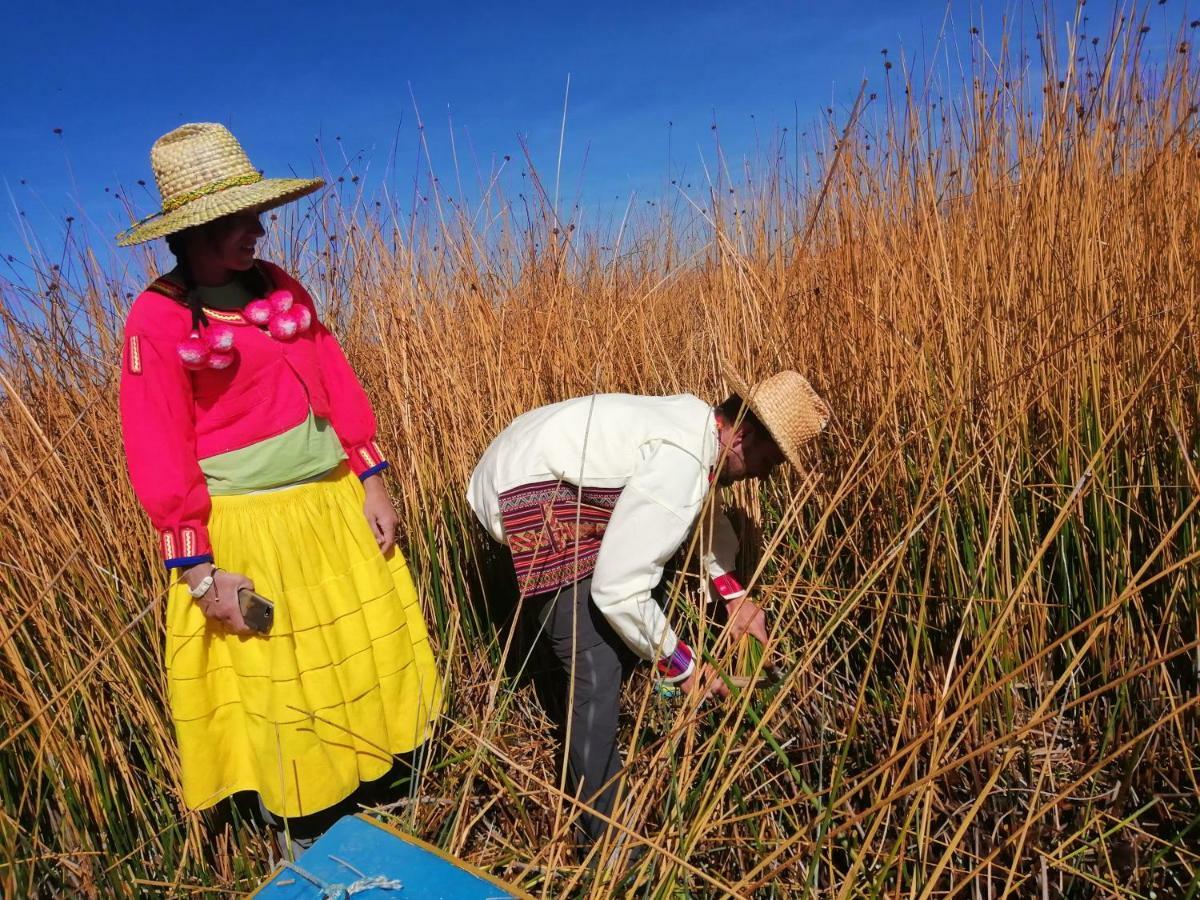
column 251, row 446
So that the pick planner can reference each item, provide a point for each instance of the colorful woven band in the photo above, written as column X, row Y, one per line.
column 678, row 666
column 213, row 187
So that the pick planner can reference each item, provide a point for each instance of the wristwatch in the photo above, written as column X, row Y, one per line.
column 205, row 583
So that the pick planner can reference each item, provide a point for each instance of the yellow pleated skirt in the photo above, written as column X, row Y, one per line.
column 346, row 678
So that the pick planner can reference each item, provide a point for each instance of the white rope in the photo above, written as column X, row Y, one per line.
column 336, row 891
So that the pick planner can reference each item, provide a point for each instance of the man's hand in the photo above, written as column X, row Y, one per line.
column 380, row 513
column 220, row 604
column 746, row 617
column 704, row 682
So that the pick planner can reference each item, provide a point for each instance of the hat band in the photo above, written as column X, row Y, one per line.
column 213, row 187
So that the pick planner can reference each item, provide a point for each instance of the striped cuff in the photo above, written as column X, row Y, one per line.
column 678, row 666
column 365, row 459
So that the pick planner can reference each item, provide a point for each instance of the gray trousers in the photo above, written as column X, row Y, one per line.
column 580, row 686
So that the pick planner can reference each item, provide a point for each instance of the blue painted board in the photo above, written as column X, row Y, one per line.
column 374, row 849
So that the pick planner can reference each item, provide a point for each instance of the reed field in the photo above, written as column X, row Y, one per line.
column 983, row 594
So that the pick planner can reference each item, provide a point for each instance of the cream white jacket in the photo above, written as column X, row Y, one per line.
column 661, row 451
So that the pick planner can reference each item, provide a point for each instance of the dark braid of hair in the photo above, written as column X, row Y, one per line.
column 191, row 295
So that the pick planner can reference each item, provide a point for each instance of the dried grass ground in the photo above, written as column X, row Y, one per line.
column 986, row 597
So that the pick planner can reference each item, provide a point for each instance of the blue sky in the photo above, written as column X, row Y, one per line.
column 115, row 75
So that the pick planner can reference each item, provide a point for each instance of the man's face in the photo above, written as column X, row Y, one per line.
column 751, row 454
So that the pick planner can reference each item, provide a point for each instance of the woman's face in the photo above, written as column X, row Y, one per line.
column 228, row 242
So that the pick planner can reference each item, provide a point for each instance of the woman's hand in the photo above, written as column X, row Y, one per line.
column 704, row 682
column 380, row 513
column 220, row 603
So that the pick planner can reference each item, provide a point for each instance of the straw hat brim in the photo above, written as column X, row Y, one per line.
column 262, row 195
column 766, row 416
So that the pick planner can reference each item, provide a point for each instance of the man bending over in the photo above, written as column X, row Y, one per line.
column 592, row 496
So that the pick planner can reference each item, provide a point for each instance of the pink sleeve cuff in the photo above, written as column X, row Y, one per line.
column 184, row 545
column 366, row 459
column 728, row 587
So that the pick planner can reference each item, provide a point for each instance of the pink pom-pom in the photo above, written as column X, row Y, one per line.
column 219, row 360
column 193, row 351
column 258, row 311
column 303, row 317
column 220, row 338
column 281, row 301
column 283, row 326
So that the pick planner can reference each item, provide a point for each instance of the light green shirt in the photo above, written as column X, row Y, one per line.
column 299, row 454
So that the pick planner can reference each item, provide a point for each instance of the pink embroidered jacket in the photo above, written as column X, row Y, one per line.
column 172, row 417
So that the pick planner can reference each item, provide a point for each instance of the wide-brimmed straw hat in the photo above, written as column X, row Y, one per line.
column 787, row 405
column 203, row 174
